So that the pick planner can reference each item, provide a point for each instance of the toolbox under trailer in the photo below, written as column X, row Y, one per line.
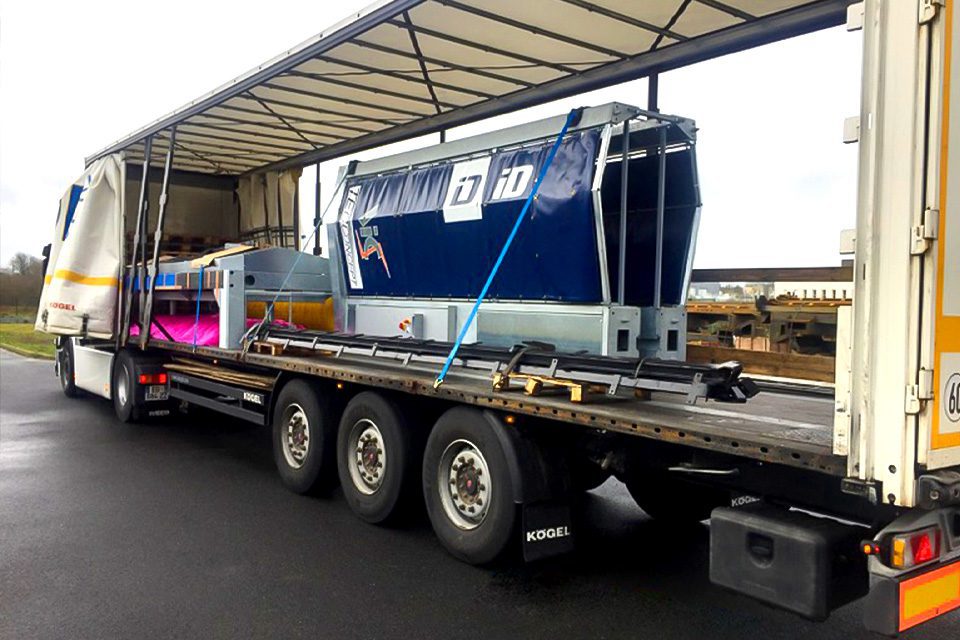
column 839, row 493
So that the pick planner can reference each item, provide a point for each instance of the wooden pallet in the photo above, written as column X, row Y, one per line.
column 267, row 348
column 218, row 374
column 533, row 385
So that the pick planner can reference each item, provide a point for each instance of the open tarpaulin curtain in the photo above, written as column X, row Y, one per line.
column 268, row 208
column 81, row 284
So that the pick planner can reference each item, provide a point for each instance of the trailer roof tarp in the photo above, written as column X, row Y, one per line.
column 404, row 68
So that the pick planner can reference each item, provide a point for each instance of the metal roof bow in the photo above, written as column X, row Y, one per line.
column 404, row 68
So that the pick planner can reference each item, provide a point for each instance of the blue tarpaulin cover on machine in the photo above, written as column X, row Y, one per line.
column 434, row 231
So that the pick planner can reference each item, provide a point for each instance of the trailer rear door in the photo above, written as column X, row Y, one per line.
column 940, row 427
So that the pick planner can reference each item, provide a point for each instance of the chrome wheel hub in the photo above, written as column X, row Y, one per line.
column 465, row 484
column 296, row 437
column 367, row 456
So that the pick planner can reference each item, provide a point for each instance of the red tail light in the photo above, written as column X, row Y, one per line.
column 925, row 547
column 913, row 549
column 152, row 378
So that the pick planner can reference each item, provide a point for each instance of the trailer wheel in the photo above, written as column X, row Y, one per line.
column 467, row 487
column 304, row 438
column 123, row 386
column 375, row 458
column 664, row 497
column 65, row 368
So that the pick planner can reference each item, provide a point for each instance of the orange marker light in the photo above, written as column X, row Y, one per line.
column 340, row 385
column 510, row 419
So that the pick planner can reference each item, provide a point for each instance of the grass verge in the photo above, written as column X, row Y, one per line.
column 22, row 339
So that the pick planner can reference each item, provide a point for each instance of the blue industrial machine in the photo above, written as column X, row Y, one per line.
column 600, row 265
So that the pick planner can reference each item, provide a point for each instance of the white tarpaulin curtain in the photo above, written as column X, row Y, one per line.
column 80, row 287
column 259, row 200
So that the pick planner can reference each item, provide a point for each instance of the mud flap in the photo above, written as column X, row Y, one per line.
column 547, row 530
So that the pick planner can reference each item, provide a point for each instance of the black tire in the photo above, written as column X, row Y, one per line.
column 65, row 366
column 672, row 500
column 123, row 388
column 316, row 472
column 387, row 435
column 490, row 537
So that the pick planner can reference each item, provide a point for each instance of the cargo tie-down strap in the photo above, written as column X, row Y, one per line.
column 572, row 118
column 196, row 320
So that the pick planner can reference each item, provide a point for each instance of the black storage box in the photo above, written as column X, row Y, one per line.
column 790, row 559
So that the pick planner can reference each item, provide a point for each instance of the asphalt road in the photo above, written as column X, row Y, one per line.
column 181, row 529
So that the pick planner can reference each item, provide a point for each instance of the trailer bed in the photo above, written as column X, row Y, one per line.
column 789, row 429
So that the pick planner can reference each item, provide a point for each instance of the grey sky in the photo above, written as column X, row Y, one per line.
column 778, row 185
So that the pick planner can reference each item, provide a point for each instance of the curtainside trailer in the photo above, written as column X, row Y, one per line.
column 497, row 323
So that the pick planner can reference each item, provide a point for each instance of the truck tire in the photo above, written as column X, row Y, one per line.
column 304, row 438
column 669, row 499
column 123, row 388
column 65, row 368
column 375, row 458
column 467, row 487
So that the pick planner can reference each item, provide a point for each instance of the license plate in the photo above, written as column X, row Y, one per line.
column 156, row 392
column 929, row 595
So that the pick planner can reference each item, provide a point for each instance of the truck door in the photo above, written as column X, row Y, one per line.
column 940, row 232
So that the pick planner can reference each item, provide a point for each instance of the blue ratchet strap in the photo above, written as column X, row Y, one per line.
column 196, row 320
column 572, row 118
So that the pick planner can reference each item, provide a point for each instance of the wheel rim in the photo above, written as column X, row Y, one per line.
column 123, row 382
column 296, row 435
column 465, row 486
column 366, row 456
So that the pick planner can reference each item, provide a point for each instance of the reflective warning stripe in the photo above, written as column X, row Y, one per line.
column 79, row 278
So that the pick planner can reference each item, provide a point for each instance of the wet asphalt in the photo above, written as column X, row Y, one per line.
column 181, row 529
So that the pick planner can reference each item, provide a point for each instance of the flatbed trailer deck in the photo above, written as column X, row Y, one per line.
column 758, row 429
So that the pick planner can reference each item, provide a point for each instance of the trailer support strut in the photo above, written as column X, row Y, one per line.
column 146, row 311
column 135, row 273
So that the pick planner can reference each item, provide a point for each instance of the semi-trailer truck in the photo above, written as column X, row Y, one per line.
column 498, row 323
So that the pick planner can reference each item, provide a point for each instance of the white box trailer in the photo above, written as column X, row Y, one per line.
column 878, row 459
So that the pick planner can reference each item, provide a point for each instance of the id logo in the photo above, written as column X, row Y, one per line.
column 464, row 197
column 465, row 191
column 512, row 183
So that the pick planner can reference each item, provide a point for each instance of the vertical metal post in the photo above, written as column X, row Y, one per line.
column 443, row 136
column 266, row 208
column 317, row 213
column 653, row 93
column 280, row 232
column 661, row 205
column 147, row 315
column 142, row 205
column 296, row 214
column 624, row 184
column 142, row 264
